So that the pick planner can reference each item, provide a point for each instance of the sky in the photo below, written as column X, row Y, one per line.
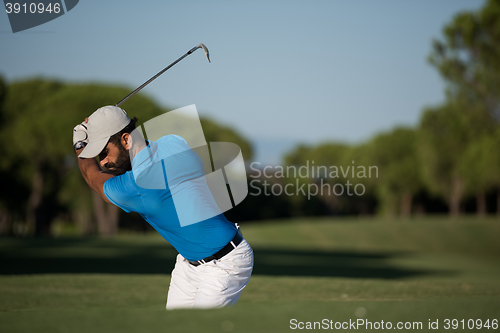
column 282, row 72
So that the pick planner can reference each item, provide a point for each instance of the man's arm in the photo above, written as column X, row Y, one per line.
column 93, row 174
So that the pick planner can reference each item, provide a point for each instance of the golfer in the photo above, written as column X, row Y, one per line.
column 215, row 262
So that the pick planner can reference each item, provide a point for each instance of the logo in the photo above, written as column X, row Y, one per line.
column 24, row 15
column 204, row 179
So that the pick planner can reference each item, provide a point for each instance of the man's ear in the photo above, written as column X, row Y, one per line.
column 126, row 141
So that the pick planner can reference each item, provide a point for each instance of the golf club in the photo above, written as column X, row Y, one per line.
column 199, row 46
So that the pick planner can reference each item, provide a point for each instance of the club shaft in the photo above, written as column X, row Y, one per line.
column 154, row 77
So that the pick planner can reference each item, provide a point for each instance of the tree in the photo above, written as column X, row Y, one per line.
column 24, row 140
column 468, row 57
column 366, row 175
column 395, row 154
column 10, row 207
column 324, row 156
column 338, row 173
column 479, row 166
column 444, row 133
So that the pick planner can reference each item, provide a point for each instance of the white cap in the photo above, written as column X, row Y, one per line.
column 102, row 124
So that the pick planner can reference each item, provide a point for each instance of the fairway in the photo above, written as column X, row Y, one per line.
column 414, row 270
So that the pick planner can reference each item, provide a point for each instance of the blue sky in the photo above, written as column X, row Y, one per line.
column 282, row 72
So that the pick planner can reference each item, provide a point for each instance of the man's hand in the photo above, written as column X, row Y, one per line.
column 80, row 137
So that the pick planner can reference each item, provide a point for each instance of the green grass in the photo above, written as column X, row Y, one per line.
column 308, row 269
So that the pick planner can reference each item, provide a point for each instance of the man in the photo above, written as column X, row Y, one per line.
column 164, row 182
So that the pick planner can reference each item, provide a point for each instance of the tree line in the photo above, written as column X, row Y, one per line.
column 41, row 182
column 453, row 153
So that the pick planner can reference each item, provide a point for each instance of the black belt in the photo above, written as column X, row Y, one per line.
column 225, row 250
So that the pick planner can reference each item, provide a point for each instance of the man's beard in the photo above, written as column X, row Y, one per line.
column 122, row 163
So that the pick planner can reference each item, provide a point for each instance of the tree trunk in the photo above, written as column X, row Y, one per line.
column 419, row 209
column 34, row 200
column 106, row 216
column 84, row 222
column 481, row 203
column 498, row 201
column 330, row 200
column 5, row 223
column 43, row 219
column 406, row 204
column 455, row 196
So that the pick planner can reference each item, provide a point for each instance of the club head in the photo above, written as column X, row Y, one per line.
column 207, row 54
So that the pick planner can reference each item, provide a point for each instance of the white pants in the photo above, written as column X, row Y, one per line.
column 216, row 284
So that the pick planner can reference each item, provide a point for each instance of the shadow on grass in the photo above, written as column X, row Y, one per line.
column 73, row 256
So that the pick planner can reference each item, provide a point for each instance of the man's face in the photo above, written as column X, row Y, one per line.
column 115, row 158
